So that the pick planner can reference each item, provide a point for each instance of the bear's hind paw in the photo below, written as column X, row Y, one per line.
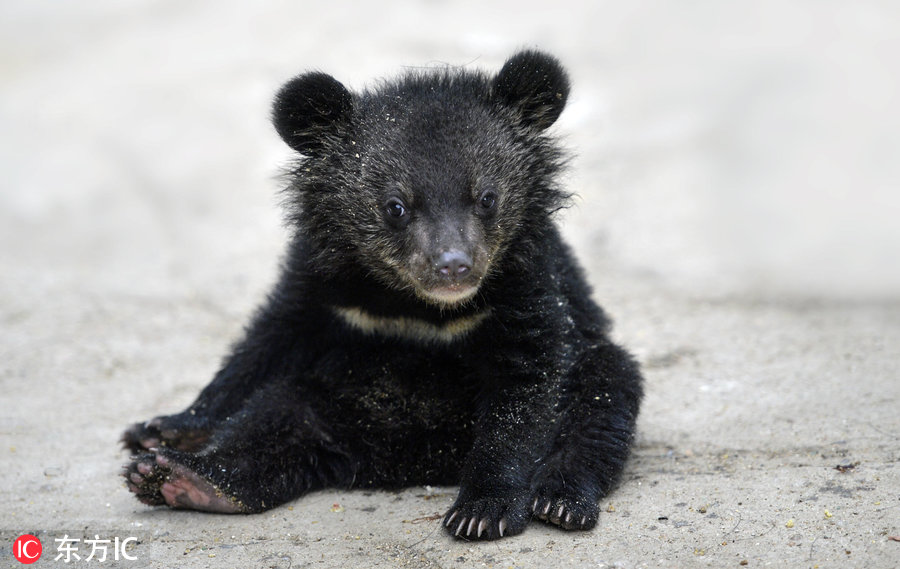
column 156, row 480
column 181, row 432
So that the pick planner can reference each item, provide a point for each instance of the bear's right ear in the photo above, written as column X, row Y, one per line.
column 535, row 85
column 310, row 108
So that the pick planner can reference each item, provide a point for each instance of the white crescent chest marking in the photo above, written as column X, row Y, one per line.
column 410, row 328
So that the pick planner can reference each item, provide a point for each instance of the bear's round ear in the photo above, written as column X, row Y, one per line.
column 534, row 84
column 310, row 108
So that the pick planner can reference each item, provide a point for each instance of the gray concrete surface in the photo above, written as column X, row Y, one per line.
column 738, row 171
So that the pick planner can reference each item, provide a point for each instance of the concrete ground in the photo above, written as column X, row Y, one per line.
column 738, row 171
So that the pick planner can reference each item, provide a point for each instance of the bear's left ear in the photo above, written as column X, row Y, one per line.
column 534, row 84
column 310, row 108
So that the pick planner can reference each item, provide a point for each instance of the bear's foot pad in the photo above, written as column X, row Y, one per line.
column 157, row 480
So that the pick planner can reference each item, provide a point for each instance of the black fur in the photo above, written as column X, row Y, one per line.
column 429, row 326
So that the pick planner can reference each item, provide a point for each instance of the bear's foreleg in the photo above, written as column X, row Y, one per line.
column 594, row 443
column 515, row 430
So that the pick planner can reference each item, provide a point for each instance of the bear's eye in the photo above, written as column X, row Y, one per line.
column 395, row 208
column 487, row 201
column 396, row 211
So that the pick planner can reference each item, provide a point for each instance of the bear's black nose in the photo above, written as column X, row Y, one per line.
column 453, row 264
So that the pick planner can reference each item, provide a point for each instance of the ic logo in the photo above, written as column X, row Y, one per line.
column 27, row 549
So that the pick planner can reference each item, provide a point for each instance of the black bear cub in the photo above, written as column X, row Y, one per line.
column 429, row 325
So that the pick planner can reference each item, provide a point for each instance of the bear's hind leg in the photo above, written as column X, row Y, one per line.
column 251, row 368
column 272, row 451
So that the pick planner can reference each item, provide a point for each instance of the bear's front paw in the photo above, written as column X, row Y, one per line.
column 565, row 507
column 488, row 517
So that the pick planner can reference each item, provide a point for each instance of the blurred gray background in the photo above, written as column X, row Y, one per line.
column 746, row 147
column 737, row 170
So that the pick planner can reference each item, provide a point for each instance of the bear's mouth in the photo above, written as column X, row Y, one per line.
column 429, row 283
column 450, row 294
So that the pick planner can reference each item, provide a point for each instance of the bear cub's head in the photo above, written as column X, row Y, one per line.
column 427, row 182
